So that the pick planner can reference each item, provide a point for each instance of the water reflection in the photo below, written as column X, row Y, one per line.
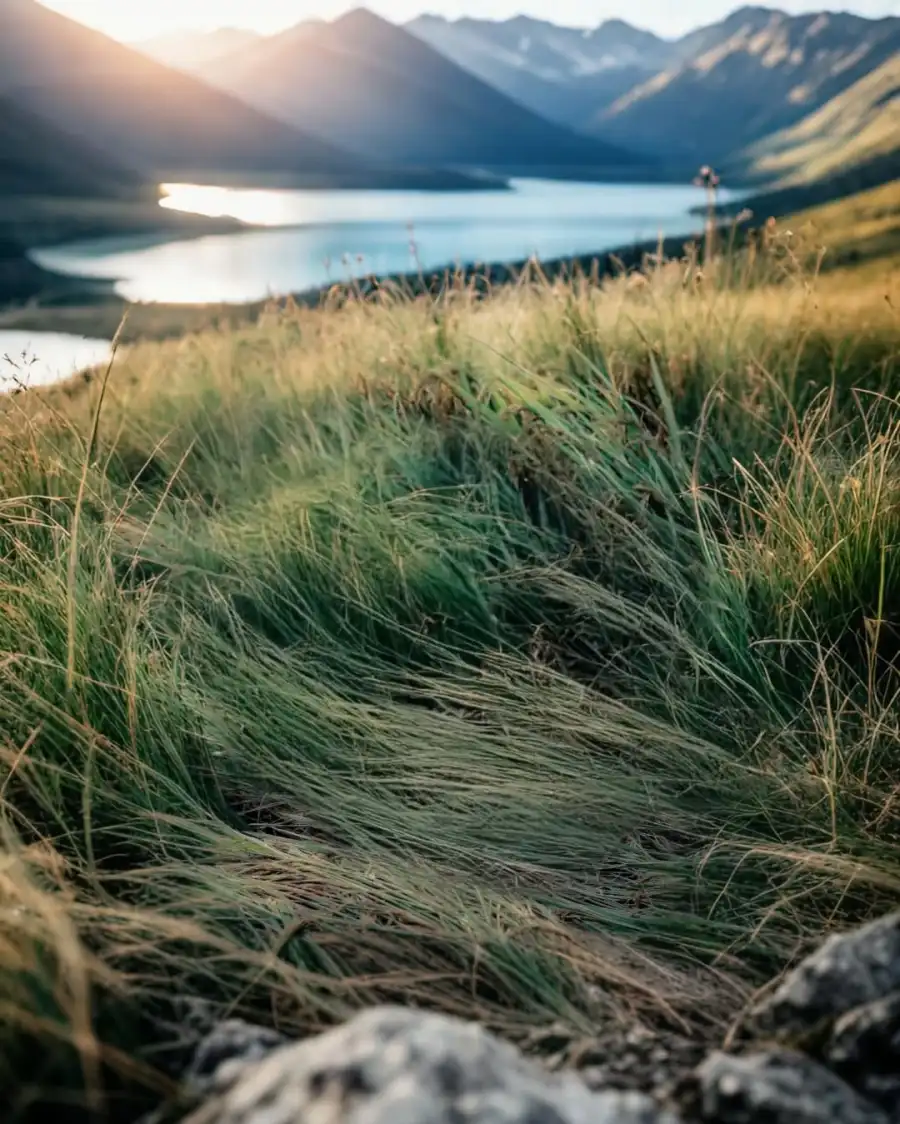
column 259, row 208
column 305, row 239
column 29, row 359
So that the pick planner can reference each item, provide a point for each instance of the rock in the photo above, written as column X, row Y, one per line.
column 777, row 1087
column 235, row 1042
column 849, row 970
column 839, row 1011
column 397, row 1066
column 864, row 1050
column 639, row 1060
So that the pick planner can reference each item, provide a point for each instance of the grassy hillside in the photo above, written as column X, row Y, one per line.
column 861, row 231
column 378, row 90
column 764, row 72
column 858, row 127
column 533, row 658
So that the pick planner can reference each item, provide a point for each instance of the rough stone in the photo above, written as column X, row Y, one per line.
column 864, row 1049
column 638, row 1060
column 849, row 970
column 777, row 1087
column 838, row 1012
column 397, row 1066
column 231, row 1042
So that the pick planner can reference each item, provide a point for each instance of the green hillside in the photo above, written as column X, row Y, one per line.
column 532, row 658
column 859, row 126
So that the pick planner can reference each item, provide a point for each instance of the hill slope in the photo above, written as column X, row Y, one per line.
column 756, row 73
column 36, row 158
column 162, row 122
column 859, row 127
column 376, row 89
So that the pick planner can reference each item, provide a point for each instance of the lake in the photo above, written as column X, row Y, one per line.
column 37, row 358
column 313, row 238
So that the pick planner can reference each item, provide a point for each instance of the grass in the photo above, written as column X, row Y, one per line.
column 532, row 659
column 854, row 128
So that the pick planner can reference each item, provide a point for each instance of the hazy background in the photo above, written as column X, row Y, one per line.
column 127, row 20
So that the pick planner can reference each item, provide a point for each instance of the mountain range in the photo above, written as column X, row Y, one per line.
column 763, row 72
column 706, row 96
column 377, row 90
column 89, row 127
column 564, row 73
column 161, row 122
column 750, row 92
column 362, row 102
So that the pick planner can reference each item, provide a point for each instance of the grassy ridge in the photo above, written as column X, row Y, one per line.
column 853, row 129
column 530, row 658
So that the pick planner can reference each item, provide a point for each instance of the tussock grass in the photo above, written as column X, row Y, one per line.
column 530, row 658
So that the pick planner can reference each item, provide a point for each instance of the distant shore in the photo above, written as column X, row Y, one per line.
column 92, row 308
column 98, row 313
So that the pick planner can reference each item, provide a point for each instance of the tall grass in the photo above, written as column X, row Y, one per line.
column 532, row 659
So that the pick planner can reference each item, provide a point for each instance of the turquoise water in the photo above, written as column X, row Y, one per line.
column 311, row 238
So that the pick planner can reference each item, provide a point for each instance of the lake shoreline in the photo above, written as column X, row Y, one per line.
column 557, row 224
column 101, row 312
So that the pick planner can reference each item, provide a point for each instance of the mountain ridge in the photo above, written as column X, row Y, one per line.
column 765, row 72
column 165, row 123
column 376, row 88
column 184, row 49
column 703, row 96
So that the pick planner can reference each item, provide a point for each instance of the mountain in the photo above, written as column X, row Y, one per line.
column 20, row 278
column 37, row 159
column 165, row 124
column 566, row 74
column 541, row 49
column 756, row 73
column 374, row 88
column 858, row 129
column 185, row 50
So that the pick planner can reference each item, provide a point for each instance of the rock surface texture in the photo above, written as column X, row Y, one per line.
column 824, row 1048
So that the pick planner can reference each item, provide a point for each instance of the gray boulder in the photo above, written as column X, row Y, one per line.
column 849, row 970
column 839, row 1011
column 864, row 1049
column 397, row 1066
column 231, row 1041
column 777, row 1087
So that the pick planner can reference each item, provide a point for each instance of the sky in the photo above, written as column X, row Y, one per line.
column 132, row 20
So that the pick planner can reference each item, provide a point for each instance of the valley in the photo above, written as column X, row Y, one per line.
column 437, row 106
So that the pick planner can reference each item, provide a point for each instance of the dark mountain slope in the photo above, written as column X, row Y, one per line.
column 162, row 122
column 376, row 89
column 36, row 158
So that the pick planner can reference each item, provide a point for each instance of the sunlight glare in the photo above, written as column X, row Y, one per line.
column 253, row 206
